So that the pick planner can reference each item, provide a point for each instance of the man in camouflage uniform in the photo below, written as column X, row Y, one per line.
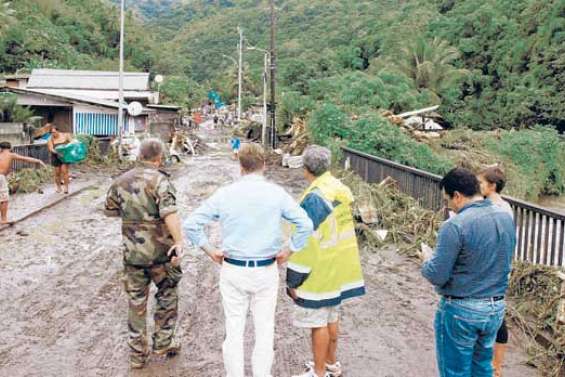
column 145, row 200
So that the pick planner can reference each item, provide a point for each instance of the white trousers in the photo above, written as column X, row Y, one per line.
column 241, row 287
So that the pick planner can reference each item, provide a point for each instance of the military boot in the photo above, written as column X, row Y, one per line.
column 138, row 360
column 171, row 350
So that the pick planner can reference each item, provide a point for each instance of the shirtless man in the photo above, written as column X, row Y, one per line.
column 6, row 158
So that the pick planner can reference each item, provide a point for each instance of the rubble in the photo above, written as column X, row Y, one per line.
column 535, row 294
column 385, row 214
column 298, row 138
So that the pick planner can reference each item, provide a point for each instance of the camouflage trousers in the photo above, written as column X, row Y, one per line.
column 137, row 280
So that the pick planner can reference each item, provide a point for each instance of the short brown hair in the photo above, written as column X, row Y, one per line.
column 251, row 157
column 494, row 175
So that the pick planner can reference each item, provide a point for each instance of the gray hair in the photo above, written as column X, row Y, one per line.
column 150, row 150
column 317, row 159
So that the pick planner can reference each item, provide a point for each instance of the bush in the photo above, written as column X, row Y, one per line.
column 538, row 154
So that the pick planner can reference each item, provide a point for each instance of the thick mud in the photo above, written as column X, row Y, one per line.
column 64, row 311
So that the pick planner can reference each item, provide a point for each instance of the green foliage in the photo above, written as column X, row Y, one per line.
column 10, row 111
column 539, row 156
column 515, row 50
column 329, row 125
column 71, row 34
column 291, row 105
column 178, row 90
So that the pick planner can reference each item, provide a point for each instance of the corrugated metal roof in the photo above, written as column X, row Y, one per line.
column 97, row 80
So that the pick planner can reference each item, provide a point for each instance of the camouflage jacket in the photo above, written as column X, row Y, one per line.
column 143, row 197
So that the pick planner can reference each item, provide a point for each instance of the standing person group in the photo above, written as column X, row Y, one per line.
column 470, row 269
column 322, row 247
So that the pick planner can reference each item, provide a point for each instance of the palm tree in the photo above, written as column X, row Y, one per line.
column 430, row 64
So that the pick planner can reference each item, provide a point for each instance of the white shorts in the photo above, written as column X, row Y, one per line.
column 4, row 189
column 314, row 318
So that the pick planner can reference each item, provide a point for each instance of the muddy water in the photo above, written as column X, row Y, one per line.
column 64, row 310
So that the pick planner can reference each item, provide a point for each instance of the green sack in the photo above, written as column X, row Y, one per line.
column 72, row 153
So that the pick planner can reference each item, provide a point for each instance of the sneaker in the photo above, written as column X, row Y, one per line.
column 311, row 373
column 334, row 370
column 171, row 350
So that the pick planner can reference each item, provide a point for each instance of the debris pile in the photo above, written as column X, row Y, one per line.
column 535, row 294
column 386, row 215
column 422, row 125
column 297, row 138
column 97, row 159
column 29, row 180
column 188, row 143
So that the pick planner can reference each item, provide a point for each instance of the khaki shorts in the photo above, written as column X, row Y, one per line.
column 4, row 190
column 314, row 318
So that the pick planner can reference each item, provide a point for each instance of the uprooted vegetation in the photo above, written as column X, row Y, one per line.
column 534, row 293
column 29, row 180
column 381, row 207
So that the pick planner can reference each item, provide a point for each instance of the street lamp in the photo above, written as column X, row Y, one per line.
column 265, row 75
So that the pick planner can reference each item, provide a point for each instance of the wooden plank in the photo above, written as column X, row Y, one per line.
column 418, row 112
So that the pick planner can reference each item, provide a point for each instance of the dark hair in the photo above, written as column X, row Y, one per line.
column 494, row 175
column 5, row 145
column 461, row 180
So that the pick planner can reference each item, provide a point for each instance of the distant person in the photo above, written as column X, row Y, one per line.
column 328, row 270
column 492, row 181
column 215, row 120
column 6, row 159
column 470, row 269
column 61, row 169
column 250, row 212
column 235, row 143
column 145, row 199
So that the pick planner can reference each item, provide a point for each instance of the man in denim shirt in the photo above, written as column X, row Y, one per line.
column 469, row 269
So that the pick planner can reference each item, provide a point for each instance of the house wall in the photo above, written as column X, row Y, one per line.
column 12, row 132
column 98, row 121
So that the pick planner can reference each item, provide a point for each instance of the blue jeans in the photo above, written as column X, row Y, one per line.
column 465, row 334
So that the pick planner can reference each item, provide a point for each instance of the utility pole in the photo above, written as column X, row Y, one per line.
column 121, row 75
column 265, row 77
column 273, row 77
column 239, row 74
column 265, row 115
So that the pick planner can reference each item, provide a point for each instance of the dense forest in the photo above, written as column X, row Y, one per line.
column 490, row 64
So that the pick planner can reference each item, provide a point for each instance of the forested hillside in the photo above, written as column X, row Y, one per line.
column 68, row 34
column 490, row 63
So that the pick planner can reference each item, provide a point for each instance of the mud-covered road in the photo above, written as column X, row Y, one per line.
column 63, row 310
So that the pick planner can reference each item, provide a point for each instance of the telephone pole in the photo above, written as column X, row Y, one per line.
column 273, row 56
column 239, row 74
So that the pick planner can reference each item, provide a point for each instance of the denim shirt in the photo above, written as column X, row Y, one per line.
column 250, row 212
column 474, row 251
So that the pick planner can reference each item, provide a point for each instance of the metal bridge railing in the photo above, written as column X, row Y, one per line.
column 540, row 232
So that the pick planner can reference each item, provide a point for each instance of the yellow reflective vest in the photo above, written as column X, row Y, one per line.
column 328, row 270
